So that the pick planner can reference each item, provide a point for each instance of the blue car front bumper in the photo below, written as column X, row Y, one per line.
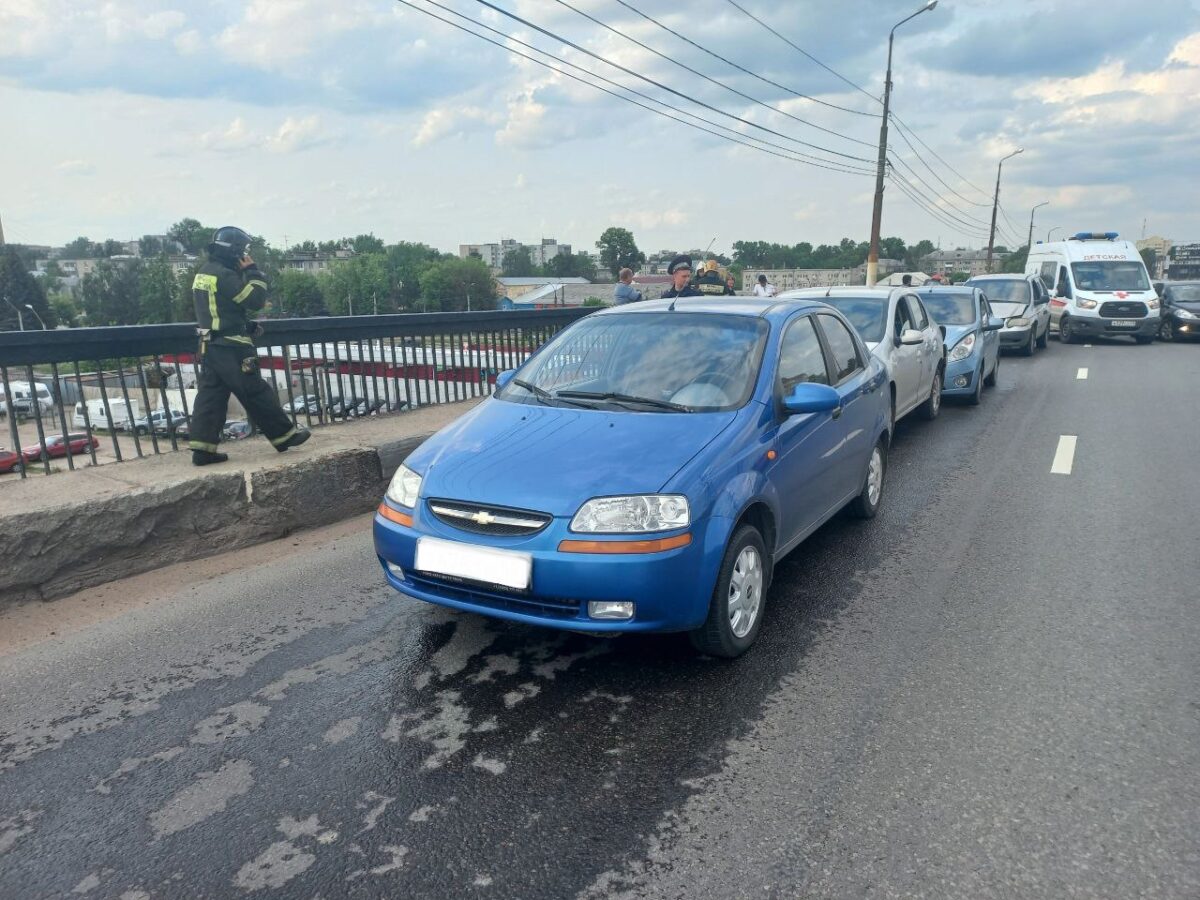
column 960, row 377
column 670, row 590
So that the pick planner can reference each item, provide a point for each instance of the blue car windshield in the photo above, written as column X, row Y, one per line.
column 866, row 314
column 951, row 309
column 669, row 361
column 1110, row 275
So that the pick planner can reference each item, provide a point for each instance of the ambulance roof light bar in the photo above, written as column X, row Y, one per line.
column 1095, row 236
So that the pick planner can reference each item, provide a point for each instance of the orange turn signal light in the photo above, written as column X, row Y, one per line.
column 394, row 515
column 657, row 545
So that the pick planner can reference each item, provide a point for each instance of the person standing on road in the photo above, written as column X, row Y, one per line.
column 625, row 292
column 226, row 290
column 710, row 283
column 906, row 281
column 680, row 271
column 764, row 288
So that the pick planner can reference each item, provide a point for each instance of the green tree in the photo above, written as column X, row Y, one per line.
column 1015, row 261
column 446, row 285
column 157, row 289
column 959, row 277
column 113, row 248
column 358, row 285
column 303, row 247
column 65, row 310
column 405, row 263
column 517, row 263
column 185, row 303
column 81, row 248
column 619, row 251
column 111, row 294
column 297, row 294
column 573, row 265
column 917, row 252
column 191, row 234
column 17, row 289
column 892, row 248
column 366, row 243
column 149, row 245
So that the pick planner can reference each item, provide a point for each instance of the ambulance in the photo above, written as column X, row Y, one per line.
column 1098, row 287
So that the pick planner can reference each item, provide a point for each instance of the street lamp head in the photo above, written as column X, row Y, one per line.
column 931, row 4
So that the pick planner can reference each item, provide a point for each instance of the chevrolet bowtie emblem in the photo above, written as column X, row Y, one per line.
column 483, row 518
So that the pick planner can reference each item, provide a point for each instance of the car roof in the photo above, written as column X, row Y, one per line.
column 840, row 290
column 999, row 276
column 741, row 306
column 948, row 289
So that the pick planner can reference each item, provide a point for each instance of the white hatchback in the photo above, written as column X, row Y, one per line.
column 898, row 330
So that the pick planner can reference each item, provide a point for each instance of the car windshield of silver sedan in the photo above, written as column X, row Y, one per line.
column 647, row 362
column 951, row 309
column 867, row 314
column 1014, row 290
column 1110, row 275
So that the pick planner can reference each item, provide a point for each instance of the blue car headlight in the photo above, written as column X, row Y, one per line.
column 638, row 514
column 405, row 487
column 963, row 348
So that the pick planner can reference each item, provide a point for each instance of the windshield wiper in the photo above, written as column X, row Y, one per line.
column 623, row 398
column 542, row 395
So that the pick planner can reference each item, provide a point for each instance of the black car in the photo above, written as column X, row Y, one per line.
column 1180, row 311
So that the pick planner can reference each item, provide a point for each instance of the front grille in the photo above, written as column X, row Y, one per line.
column 494, row 520
column 1123, row 309
column 554, row 607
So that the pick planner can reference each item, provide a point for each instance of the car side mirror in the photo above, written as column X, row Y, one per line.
column 504, row 378
column 810, row 397
column 910, row 337
column 993, row 324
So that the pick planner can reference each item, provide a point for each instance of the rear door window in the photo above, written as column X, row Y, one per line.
column 1048, row 272
column 843, row 350
column 801, row 358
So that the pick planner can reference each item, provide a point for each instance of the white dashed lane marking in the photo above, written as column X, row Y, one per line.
column 1064, row 456
column 1081, row 375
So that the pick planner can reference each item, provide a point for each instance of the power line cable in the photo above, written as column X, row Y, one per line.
column 933, row 172
column 788, row 153
column 963, row 225
column 896, row 159
column 933, row 212
column 729, row 62
column 905, row 126
column 709, row 78
column 966, row 222
column 663, row 87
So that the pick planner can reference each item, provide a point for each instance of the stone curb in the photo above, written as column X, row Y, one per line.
column 52, row 553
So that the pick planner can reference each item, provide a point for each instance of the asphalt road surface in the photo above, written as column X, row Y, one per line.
column 992, row 690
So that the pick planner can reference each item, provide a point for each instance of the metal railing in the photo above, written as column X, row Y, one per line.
column 133, row 386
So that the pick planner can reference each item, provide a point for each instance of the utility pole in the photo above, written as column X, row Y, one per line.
column 877, row 210
column 996, row 205
column 1029, row 243
column 20, row 318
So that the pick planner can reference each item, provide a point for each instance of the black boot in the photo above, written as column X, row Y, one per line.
column 207, row 457
column 295, row 440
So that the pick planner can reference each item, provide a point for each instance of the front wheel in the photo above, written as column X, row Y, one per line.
column 866, row 504
column 1066, row 333
column 1028, row 349
column 736, row 608
column 1045, row 338
column 933, row 403
column 991, row 380
column 1166, row 331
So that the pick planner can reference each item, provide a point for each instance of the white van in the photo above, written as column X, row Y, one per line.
column 22, row 403
column 1098, row 286
column 122, row 414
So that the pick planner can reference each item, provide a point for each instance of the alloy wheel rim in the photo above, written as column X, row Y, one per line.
column 745, row 592
column 1168, row 331
column 935, row 396
column 875, row 476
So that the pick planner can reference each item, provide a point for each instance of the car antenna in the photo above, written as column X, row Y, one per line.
column 830, row 291
column 675, row 300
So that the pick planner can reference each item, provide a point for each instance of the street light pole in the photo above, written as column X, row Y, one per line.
column 1051, row 231
column 1029, row 243
column 20, row 318
column 996, row 205
column 877, row 210
column 29, row 306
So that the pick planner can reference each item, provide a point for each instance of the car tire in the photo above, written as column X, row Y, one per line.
column 977, row 395
column 742, row 581
column 1066, row 334
column 1166, row 331
column 866, row 504
column 1028, row 349
column 1044, row 340
column 929, row 410
column 990, row 380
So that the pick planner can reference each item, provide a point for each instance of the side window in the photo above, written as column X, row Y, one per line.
column 1063, row 288
column 916, row 312
column 1048, row 270
column 843, row 350
column 801, row 358
column 984, row 310
column 900, row 320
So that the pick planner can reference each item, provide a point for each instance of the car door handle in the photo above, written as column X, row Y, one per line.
column 837, row 412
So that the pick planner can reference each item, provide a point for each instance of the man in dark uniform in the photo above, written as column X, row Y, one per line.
column 710, row 283
column 680, row 271
column 226, row 290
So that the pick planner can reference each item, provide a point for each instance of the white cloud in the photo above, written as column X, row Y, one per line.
column 75, row 167
column 446, row 121
column 298, row 134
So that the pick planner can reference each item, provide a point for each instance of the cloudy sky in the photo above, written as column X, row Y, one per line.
column 317, row 118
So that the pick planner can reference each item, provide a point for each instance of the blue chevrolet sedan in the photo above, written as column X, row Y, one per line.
column 645, row 470
column 972, row 339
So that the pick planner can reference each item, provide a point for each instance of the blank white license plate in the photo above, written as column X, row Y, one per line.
column 472, row 563
column 1124, row 323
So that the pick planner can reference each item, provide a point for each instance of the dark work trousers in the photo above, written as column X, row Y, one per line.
column 226, row 370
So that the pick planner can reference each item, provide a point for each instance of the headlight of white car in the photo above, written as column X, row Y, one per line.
column 1017, row 322
column 1153, row 304
column 632, row 515
column 1184, row 314
column 963, row 348
column 405, row 487
column 1084, row 303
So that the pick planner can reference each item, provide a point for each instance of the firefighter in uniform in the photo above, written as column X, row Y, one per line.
column 710, row 283
column 680, row 271
column 227, row 289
